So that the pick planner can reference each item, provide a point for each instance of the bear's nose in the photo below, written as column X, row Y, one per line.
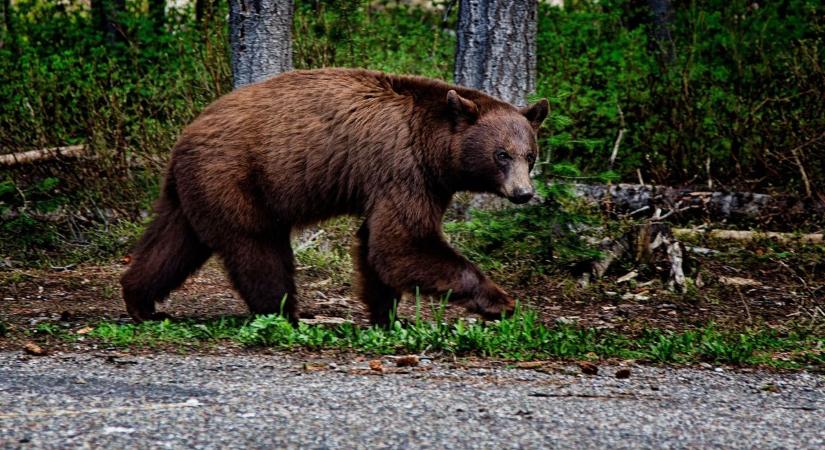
column 521, row 196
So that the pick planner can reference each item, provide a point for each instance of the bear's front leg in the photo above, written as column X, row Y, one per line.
column 409, row 259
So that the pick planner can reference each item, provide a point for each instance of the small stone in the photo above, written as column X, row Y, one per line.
column 623, row 373
column 770, row 387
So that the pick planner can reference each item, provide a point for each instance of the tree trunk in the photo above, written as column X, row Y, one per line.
column 662, row 13
column 205, row 10
column 260, row 38
column 7, row 23
column 104, row 14
column 496, row 47
column 157, row 11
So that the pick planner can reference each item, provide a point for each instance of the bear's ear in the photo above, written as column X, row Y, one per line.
column 536, row 113
column 462, row 107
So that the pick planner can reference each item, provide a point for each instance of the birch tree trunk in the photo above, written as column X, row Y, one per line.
column 496, row 47
column 260, row 38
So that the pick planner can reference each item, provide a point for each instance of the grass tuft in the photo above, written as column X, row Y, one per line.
column 521, row 337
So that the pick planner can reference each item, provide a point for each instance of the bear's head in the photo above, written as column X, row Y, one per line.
column 496, row 148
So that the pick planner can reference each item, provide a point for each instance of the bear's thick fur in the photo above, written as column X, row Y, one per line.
column 309, row 145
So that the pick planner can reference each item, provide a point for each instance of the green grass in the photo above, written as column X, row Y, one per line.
column 520, row 338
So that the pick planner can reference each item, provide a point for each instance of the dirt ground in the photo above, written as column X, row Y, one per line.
column 746, row 288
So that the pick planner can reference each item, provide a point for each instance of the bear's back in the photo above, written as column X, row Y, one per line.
column 307, row 145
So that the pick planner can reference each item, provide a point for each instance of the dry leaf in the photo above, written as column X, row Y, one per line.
column 376, row 365
column 588, row 368
column 85, row 330
column 529, row 364
column 315, row 366
column 34, row 349
column 407, row 361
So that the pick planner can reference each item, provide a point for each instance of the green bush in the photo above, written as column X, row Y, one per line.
column 740, row 99
column 531, row 239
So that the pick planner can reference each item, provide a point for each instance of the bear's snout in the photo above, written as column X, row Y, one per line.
column 517, row 185
column 521, row 195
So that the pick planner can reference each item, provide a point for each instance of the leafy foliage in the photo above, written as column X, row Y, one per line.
column 529, row 239
column 737, row 97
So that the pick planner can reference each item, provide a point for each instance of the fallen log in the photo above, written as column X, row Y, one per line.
column 43, row 154
column 685, row 203
column 740, row 235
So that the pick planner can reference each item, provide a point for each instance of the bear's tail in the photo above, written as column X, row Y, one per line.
column 167, row 253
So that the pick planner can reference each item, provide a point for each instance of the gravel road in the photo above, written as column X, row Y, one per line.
column 281, row 401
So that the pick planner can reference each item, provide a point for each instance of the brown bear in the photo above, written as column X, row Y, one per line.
column 308, row 145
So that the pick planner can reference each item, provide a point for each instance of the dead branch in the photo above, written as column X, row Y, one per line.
column 740, row 235
column 43, row 154
column 641, row 243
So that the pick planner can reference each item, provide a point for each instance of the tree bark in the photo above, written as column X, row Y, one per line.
column 7, row 22
column 205, row 10
column 104, row 14
column 662, row 14
column 157, row 11
column 260, row 39
column 496, row 47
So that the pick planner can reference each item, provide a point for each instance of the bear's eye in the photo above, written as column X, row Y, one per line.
column 502, row 156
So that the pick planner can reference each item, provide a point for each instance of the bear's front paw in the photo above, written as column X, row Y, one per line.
column 144, row 315
column 495, row 303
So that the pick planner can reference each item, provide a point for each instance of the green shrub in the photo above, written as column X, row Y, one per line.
column 741, row 101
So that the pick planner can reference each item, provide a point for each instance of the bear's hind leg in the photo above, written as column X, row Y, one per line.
column 378, row 296
column 167, row 253
column 262, row 270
